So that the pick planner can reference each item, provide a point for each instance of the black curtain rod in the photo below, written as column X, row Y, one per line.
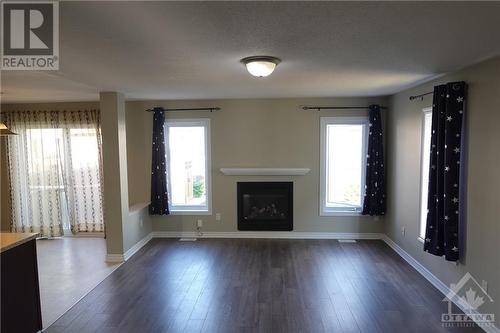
column 421, row 96
column 319, row 108
column 216, row 108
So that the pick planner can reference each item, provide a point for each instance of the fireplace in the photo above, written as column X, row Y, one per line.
column 265, row 206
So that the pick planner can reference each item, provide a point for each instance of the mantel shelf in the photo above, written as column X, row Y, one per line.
column 265, row 171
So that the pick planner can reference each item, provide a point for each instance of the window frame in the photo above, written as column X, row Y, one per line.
column 324, row 122
column 190, row 122
column 425, row 111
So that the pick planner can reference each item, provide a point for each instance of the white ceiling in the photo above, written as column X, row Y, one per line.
column 191, row 50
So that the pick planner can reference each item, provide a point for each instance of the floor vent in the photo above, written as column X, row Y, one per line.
column 347, row 241
column 188, row 239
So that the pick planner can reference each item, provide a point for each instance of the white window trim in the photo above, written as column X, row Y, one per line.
column 422, row 140
column 324, row 121
column 192, row 210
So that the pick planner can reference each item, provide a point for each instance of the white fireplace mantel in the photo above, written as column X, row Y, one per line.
column 265, row 171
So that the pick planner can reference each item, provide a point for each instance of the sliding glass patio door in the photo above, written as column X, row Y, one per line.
column 55, row 172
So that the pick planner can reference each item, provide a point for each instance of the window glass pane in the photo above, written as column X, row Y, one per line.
column 187, row 166
column 426, row 152
column 85, row 140
column 344, row 165
column 52, row 171
column 85, row 165
column 45, row 145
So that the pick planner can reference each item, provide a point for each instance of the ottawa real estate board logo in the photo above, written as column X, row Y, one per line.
column 471, row 298
column 30, row 35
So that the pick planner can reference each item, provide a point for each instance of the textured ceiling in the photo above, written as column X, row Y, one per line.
column 191, row 50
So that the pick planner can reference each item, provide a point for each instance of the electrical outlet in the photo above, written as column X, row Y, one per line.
column 403, row 230
column 141, row 222
column 484, row 285
column 217, row 217
column 199, row 223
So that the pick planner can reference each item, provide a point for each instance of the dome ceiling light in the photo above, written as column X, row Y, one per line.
column 260, row 66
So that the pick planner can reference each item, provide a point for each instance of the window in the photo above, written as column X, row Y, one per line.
column 343, row 164
column 188, row 156
column 424, row 168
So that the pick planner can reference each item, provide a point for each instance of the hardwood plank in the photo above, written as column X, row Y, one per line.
column 259, row 285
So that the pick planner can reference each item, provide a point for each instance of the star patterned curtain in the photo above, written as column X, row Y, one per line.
column 374, row 197
column 442, row 229
column 159, row 193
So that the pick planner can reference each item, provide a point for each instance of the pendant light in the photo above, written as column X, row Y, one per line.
column 4, row 130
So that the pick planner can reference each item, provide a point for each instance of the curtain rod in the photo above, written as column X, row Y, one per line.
column 319, row 108
column 421, row 96
column 216, row 108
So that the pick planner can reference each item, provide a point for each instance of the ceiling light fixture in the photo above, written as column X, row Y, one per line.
column 260, row 66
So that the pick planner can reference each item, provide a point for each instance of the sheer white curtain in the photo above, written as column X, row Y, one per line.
column 55, row 171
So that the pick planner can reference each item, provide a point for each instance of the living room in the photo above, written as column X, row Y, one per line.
column 254, row 166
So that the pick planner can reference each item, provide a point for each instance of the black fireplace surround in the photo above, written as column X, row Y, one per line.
column 265, row 206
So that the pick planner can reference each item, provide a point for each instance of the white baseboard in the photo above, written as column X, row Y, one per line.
column 110, row 257
column 240, row 234
column 130, row 252
column 268, row 235
column 137, row 246
column 443, row 288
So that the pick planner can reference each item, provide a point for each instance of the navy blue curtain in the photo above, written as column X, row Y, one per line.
column 159, row 193
column 374, row 201
column 443, row 214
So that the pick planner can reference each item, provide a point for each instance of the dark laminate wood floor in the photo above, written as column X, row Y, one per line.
column 250, row 285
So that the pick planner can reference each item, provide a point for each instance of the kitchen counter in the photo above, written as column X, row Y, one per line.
column 8, row 240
